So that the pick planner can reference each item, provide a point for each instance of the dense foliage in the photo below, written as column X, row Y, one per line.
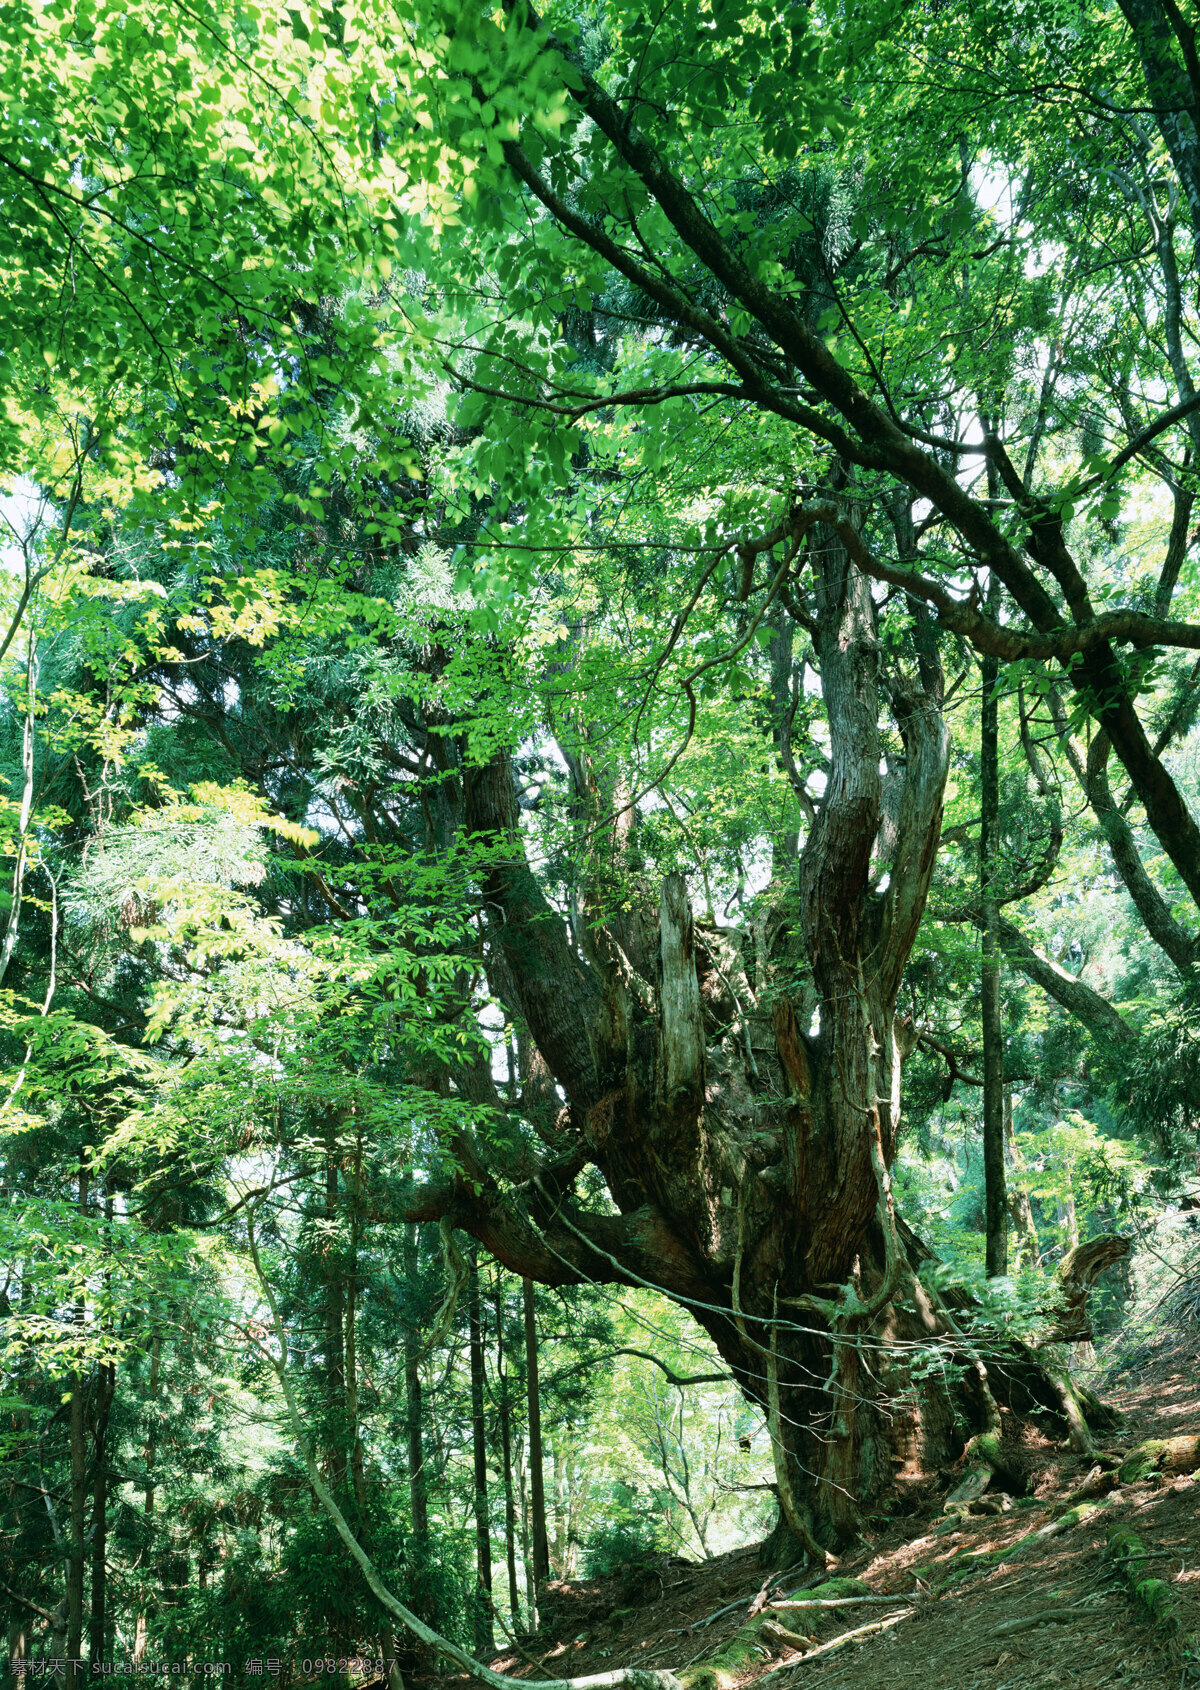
column 601, row 785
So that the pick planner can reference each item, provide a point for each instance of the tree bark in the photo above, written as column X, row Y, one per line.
column 76, row 1669
column 417, row 1489
column 504, row 1417
column 335, row 1292
column 1019, row 1207
column 995, row 1200
column 105, row 1391
column 139, row 1629
column 484, row 1639
column 537, row 1489
column 97, row 1619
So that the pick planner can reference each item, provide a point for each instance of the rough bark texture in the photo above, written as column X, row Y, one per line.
column 739, row 1088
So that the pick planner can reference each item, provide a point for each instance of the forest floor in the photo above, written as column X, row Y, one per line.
column 1057, row 1613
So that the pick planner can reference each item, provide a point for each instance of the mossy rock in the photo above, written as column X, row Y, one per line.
column 1160, row 1455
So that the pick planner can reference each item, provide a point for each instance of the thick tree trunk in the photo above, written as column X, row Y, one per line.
column 739, row 1091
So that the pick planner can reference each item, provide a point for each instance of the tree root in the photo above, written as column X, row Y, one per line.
column 861, row 1631
column 781, row 1638
column 1048, row 1616
column 1160, row 1455
column 1153, row 1595
column 1099, row 1482
column 1064, row 1522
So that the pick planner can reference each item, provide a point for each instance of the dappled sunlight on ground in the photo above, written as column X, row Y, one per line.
column 1053, row 1616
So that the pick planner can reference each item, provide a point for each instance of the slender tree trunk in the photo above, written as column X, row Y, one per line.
column 504, row 1417
column 139, row 1629
column 412, row 1393
column 78, row 1549
column 105, row 1391
column 485, row 1645
column 537, row 1492
column 523, row 1512
column 16, row 1650
column 354, row 1430
column 558, row 1553
column 995, row 1198
column 105, row 1388
column 21, row 862
column 358, row 1476
column 335, row 1368
column 1019, row 1206
column 1067, row 1217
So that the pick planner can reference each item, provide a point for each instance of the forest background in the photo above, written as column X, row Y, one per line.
column 600, row 918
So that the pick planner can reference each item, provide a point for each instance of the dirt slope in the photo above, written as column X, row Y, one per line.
column 969, row 1590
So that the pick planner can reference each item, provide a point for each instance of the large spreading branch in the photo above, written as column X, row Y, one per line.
column 870, row 435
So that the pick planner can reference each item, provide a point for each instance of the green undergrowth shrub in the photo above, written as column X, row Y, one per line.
column 629, row 1540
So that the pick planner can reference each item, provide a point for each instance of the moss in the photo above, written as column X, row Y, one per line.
column 1155, row 1596
column 705, row 1677
column 986, row 1450
column 834, row 1588
column 1152, row 1594
column 723, row 1665
column 1160, row 1455
column 962, row 1564
column 1123, row 1541
column 1076, row 1516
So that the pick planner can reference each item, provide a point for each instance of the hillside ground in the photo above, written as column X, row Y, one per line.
column 978, row 1602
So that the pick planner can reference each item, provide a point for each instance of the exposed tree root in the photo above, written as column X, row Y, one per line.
column 1154, row 1596
column 1027, row 1622
column 1160, row 1455
column 854, row 1636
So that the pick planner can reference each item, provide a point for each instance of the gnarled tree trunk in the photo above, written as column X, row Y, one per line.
column 740, row 1092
